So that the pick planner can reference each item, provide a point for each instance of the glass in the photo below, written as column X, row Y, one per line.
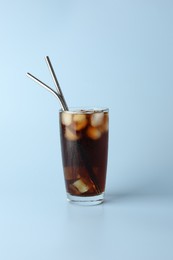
column 84, row 145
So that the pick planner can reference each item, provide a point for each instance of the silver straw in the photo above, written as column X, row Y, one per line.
column 57, row 95
column 56, row 81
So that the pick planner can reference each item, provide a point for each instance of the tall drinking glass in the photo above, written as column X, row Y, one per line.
column 84, row 145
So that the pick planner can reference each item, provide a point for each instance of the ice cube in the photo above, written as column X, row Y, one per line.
column 79, row 122
column 79, row 117
column 73, row 190
column 93, row 132
column 85, row 184
column 71, row 135
column 74, row 172
column 104, row 127
column 71, row 173
column 81, row 186
column 66, row 119
column 97, row 119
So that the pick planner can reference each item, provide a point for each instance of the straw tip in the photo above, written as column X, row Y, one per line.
column 47, row 57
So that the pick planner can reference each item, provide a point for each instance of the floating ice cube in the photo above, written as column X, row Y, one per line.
column 93, row 133
column 97, row 119
column 70, row 135
column 79, row 122
column 66, row 119
column 78, row 118
column 104, row 127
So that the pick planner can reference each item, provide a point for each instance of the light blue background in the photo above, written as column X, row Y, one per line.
column 117, row 54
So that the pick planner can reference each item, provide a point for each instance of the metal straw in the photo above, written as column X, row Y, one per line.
column 59, row 95
column 52, row 72
column 41, row 83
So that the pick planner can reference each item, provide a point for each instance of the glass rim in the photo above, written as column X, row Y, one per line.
column 85, row 110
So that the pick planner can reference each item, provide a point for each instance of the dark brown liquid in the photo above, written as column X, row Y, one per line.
column 84, row 159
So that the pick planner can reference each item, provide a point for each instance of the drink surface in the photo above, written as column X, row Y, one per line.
column 84, row 143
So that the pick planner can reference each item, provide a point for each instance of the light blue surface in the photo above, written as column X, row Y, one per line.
column 117, row 54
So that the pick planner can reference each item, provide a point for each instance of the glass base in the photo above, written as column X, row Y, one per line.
column 86, row 201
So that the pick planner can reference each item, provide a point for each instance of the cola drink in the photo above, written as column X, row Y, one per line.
column 84, row 145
